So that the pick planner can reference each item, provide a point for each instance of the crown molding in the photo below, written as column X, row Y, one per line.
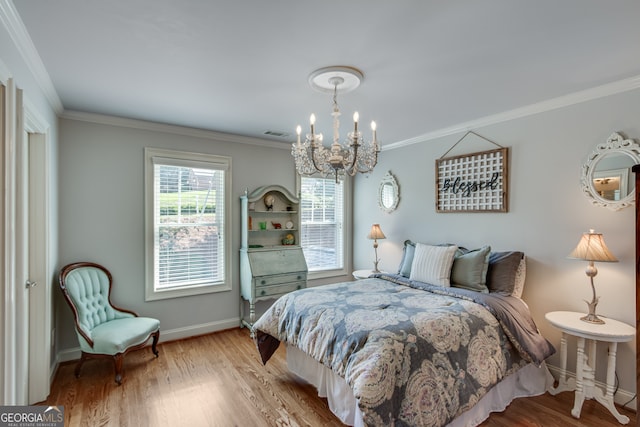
column 34, row 121
column 15, row 27
column 171, row 129
column 602, row 91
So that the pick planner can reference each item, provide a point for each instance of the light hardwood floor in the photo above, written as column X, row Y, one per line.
column 219, row 380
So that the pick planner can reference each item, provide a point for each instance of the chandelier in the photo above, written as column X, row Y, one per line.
column 340, row 159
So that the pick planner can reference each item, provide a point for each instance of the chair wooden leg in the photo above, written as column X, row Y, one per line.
column 117, row 361
column 83, row 357
column 156, row 337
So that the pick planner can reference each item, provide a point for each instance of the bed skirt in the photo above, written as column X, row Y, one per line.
column 528, row 381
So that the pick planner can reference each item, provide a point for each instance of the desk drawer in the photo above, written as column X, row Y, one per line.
column 280, row 279
column 263, row 291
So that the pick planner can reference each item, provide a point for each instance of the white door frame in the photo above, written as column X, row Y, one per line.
column 21, row 240
column 25, row 337
column 10, row 352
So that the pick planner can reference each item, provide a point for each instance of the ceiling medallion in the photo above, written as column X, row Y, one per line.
column 354, row 155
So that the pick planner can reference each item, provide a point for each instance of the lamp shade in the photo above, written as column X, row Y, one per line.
column 376, row 233
column 591, row 247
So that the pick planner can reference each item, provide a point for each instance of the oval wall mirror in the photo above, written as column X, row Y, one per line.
column 388, row 193
column 606, row 179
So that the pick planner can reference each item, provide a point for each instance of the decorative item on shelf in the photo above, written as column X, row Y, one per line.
column 250, row 223
column 263, row 225
column 289, row 225
column 289, row 239
column 375, row 234
column 591, row 247
column 289, row 208
column 311, row 156
column 276, row 225
column 269, row 200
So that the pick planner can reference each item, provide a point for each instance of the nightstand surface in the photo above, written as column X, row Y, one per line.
column 363, row 274
column 611, row 332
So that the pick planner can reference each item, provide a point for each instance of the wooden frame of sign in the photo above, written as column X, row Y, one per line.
column 475, row 182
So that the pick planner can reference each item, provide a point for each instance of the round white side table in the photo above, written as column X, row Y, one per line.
column 612, row 332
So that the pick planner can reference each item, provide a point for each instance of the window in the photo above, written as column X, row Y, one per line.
column 323, row 228
column 188, row 236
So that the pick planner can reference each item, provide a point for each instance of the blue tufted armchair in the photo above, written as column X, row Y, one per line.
column 103, row 329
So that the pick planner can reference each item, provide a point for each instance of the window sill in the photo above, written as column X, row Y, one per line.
column 152, row 295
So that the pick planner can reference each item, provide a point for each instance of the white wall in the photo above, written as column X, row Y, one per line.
column 547, row 213
column 102, row 213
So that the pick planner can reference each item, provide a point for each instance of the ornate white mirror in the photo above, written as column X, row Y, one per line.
column 606, row 176
column 388, row 193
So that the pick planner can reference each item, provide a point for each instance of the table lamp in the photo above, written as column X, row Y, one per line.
column 375, row 234
column 591, row 247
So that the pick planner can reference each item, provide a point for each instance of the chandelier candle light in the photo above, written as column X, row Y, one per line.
column 356, row 155
column 591, row 247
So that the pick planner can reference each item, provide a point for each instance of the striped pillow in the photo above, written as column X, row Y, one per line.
column 432, row 264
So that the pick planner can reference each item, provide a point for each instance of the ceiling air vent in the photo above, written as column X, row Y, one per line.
column 276, row 133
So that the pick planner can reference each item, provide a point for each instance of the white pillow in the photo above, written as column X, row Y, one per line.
column 432, row 264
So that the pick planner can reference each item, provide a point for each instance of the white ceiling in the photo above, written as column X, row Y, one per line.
column 241, row 66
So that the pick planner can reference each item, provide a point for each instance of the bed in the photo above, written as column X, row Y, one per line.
column 396, row 350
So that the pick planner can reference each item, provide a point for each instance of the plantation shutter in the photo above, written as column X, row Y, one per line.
column 322, row 218
column 188, row 223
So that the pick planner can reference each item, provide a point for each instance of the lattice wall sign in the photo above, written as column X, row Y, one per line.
column 476, row 182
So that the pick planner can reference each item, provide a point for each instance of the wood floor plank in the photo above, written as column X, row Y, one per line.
column 218, row 380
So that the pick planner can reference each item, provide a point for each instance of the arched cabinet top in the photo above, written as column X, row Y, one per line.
column 260, row 192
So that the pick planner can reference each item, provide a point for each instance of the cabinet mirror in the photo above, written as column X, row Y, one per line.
column 388, row 193
column 606, row 175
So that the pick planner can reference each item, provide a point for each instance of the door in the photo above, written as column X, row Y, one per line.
column 39, row 288
column 33, row 290
column 25, row 311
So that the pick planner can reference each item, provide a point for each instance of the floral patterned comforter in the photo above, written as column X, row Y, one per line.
column 413, row 354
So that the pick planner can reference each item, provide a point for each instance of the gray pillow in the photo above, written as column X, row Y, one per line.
column 502, row 271
column 407, row 258
column 469, row 269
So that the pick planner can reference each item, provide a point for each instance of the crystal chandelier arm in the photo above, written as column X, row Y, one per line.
column 313, row 155
column 353, row 169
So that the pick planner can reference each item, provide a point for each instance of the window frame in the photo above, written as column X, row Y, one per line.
column 189, row 159
column 347, row 221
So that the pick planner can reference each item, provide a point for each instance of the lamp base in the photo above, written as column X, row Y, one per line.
column 592, row 318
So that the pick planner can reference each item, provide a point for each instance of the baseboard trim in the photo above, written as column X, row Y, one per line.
column 69, row 354
column 621, row 397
